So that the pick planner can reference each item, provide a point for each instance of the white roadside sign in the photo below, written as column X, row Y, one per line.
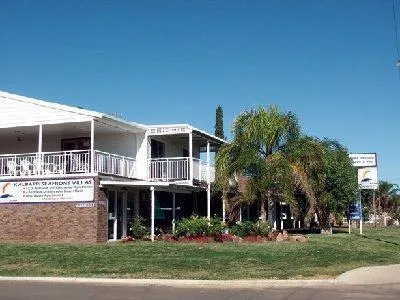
column 368, row 178
column 39, row 191
column 363, row 159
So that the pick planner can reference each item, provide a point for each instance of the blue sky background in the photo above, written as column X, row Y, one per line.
column 332, row 62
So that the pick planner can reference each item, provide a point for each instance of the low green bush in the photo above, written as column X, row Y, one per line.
column 216, row 226
column 242, row 229
column 261, row 228
column 138, row 229
column 195, row 226
column 247, row 228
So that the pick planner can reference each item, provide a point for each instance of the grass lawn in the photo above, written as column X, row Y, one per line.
column 322, row 257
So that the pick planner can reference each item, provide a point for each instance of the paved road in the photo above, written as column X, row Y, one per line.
column 63, row 291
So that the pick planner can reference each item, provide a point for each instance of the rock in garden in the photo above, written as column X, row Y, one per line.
column 279, row 237
column 237, row 239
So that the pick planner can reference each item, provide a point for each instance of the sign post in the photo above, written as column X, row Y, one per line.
column 367, row 180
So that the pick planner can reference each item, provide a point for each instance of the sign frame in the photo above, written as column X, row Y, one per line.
column 47, row 191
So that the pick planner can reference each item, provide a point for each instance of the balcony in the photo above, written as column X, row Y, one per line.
column 178, row 169
column 65, row 162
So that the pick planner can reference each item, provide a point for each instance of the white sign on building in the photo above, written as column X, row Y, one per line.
column 39, row 191
column 368, row 178
column 363, row 159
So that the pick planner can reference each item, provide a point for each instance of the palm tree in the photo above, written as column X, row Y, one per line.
column 387, row 195
column 306, row 156
column 258, row 152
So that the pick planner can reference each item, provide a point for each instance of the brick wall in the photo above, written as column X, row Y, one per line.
column 55, row 222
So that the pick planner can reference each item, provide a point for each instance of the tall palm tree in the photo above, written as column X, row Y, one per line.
column 387, row 194
column 257, row 152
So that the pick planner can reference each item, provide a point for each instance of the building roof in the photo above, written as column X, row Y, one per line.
column 99, row 115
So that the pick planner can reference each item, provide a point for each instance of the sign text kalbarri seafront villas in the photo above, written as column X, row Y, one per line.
column 38, row 191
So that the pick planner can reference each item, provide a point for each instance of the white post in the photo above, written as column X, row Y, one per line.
column 92, row 146
column 208, row 201
column 152, row 213
column 349, row 221
column 191, row 157
column 173, row 212
column 240, row 214
column 39, row 158
column 116, row 216
column 208, row 162
column 124, row 209
column 40, row 141
column 299, row 223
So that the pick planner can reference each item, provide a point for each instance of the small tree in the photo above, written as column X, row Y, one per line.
column 219, row 122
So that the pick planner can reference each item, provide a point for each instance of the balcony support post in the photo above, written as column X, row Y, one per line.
column 191, row 157
column 208, row 201
column 208, row 183
column 152, row 213
column 39, row 158
column 92, row 146
column 40, row 140
column 173, row 212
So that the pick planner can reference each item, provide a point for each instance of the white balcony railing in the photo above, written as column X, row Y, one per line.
column 177, row 168
column 114, row 164
column 65, row 162
column 169, row 169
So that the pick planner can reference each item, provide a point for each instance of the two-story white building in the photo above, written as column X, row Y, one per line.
column 71, row 174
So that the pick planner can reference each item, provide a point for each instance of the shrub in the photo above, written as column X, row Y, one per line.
column 138, row 228
column 261, row 228
column 242, row 229
column 193, row 226
column 216, row 227
column 248, row 228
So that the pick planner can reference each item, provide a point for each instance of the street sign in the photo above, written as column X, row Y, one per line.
column 355, row 211
column 363, row 159
column 368, row 178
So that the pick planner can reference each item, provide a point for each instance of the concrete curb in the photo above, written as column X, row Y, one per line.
column 366, row 275
column 214, row 284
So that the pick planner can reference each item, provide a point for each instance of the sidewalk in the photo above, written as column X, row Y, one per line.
column 371, row 275
column 367, row 275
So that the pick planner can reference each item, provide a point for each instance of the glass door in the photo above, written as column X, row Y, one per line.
column 112, row 215
column 117, row 216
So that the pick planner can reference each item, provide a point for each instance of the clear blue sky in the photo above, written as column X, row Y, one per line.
column 331, row 62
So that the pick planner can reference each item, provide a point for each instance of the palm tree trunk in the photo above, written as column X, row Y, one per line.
column 263, row 211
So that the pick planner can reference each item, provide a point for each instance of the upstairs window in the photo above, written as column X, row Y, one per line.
column 157, row 149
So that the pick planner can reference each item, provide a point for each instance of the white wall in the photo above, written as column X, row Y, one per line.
column 118, row 143
column 11, row 145
column 142, row 155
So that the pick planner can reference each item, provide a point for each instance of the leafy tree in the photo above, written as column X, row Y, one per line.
column 219, row 122
column 339, row 186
